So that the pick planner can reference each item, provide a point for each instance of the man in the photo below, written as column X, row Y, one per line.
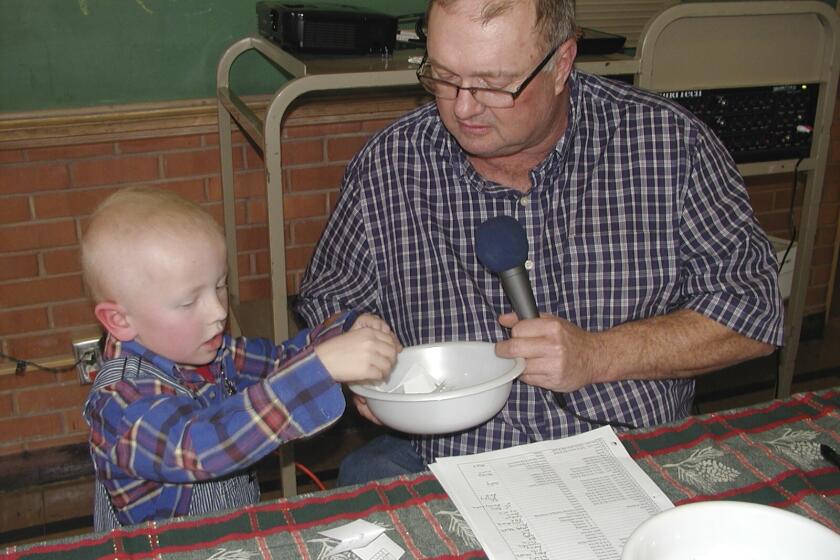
column 646, row 261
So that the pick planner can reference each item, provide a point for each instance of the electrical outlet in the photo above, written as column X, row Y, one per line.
column 89, row 356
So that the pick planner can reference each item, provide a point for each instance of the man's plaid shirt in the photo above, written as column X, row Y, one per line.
column 166, row 442
column 637, row 212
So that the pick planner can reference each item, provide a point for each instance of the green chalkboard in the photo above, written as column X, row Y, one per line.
column 82, row 53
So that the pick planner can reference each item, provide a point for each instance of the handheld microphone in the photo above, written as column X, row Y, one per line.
column 502, row 247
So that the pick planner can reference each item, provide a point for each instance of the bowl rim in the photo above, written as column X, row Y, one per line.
column 740, row 509
column 365, row 391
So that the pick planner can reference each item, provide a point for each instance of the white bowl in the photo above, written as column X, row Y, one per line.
column 723, row 530
column 472, row 386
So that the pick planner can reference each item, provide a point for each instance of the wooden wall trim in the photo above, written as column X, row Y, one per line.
column 106, row 123
column 175, row 118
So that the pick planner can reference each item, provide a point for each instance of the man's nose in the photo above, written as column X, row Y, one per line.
column 466, row 106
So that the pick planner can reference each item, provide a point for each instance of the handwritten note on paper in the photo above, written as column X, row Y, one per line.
column 577, row 498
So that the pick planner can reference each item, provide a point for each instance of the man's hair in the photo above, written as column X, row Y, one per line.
column 132, row 216
column 555, row 22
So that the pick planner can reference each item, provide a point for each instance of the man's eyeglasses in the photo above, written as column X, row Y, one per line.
column 489, row 97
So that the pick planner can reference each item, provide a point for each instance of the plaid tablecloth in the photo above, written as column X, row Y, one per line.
column 767, row 454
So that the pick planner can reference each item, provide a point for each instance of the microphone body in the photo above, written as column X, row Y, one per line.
column 502, row 247
column 517, row 287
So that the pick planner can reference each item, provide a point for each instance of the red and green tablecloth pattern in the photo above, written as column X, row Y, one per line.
column 288, row 528
column 768, row 454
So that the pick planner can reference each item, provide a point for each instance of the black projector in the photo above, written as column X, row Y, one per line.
column 326, row 28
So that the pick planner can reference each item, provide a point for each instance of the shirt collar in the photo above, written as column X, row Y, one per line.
column 561, row 148
column 451, row 151
column 117, row 349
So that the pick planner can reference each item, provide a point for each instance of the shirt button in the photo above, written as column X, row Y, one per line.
column 212, row 394
column 529, row 265
column 524, row 200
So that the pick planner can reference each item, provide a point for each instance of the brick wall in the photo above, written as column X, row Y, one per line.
column 47, row 192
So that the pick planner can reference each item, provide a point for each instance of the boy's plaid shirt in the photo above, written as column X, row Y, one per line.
column 158, row 429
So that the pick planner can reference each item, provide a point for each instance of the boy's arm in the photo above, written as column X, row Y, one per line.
column 256, row 358
column 144, row 429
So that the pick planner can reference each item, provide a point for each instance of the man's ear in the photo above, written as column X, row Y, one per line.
column 564, row 61
column 115, row 320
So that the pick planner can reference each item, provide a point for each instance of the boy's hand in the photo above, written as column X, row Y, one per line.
column 366, row 352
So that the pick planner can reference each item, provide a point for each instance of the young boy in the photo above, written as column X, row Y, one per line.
column 180, row 410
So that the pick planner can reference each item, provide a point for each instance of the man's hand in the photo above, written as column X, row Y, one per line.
column 367, row 352
column 559, row 356
column 562, row 357
column 364, row 409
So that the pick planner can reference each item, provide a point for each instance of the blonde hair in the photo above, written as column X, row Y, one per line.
column 555, row 19
column 130, row 217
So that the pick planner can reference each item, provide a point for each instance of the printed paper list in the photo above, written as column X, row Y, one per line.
column 578, row 498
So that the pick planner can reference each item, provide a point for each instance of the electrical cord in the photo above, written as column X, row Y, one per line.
column 793, row 233
column 791, row 214
column 778, row 374
column 311, row 475
column 21, row 364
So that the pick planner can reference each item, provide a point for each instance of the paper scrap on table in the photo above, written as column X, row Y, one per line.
column 365, row 539
column 382, row 548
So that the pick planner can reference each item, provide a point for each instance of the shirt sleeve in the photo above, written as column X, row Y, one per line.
column 147, row 430
column 253, row 359
column 341, row 273
column 730, row 271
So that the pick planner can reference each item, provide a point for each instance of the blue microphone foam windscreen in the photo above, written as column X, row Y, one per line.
column 501, row 244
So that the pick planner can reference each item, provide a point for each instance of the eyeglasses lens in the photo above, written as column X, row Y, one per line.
column 485, row 96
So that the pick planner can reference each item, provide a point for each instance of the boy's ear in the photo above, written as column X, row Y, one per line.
column 114, row 318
